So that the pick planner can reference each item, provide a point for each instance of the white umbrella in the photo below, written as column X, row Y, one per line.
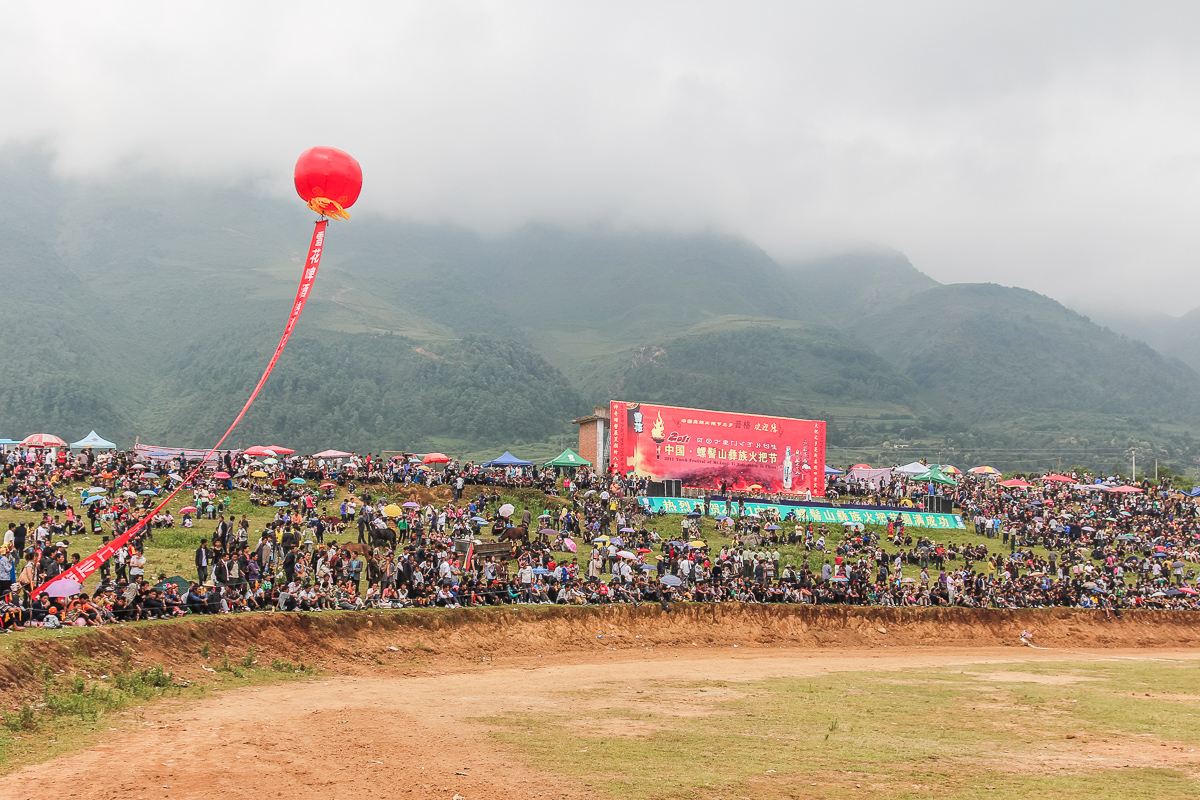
column 132, row 495
column 63, row 587
column 96, row 490
column 625, row 554
column 507, row 510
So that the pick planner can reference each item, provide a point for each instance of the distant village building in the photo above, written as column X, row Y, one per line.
column 593, row 437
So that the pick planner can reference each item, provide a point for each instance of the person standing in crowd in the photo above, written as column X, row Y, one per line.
column 203, row 559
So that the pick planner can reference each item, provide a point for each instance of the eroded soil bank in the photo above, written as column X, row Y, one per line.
column 357, row 642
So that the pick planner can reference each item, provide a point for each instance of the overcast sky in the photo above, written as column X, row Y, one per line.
column 1054, row 146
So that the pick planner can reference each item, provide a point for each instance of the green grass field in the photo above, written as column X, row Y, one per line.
column 1070, row 729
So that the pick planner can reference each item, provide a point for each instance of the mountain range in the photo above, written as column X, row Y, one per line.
column 146, row 307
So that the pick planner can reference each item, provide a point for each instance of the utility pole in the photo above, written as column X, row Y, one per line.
column 1133, row 453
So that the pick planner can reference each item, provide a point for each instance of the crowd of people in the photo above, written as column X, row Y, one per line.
column 337, row 541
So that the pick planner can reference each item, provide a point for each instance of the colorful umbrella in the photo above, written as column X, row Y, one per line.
column 43, row 440
column 435, row 458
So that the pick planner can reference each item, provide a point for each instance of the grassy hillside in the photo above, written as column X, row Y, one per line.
column 1175, row 337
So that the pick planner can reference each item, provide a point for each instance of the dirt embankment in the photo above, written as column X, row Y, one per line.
column 357, row 642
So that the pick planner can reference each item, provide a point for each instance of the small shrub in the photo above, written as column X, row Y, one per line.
column 204, row 650
column 248, row 659
column 22, row 720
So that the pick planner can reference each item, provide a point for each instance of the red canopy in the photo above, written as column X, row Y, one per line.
column 435, row 458
column 1124, row 490
column 284, row 451
column 1059, row 478
column 260, row 450
column 43, row 440
column 1016, row 483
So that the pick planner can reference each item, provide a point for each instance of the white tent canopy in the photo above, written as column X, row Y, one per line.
column 93, row 440
column 872, row 476
column 915, row 468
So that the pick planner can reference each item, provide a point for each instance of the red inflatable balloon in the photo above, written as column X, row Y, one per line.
column 329, row 180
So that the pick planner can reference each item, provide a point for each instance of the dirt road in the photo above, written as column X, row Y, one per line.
column 395, row 734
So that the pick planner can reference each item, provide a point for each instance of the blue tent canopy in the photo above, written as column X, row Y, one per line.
column 507, row 460
column 832, row 470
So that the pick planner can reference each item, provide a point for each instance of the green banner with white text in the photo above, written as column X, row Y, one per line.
column 830, row 515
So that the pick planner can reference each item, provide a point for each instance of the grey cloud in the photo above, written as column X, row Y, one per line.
column 1047, row 145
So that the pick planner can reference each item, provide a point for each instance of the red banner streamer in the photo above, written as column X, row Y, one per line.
column 80, row 572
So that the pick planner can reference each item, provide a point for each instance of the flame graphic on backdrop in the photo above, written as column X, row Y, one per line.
column 658, row 433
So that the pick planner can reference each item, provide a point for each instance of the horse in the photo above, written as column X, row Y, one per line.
column 381, row 536
column 520, row 533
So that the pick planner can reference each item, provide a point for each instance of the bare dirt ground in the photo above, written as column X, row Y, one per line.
column 419, row 733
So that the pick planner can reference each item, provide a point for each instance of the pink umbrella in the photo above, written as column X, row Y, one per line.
column 221, row 475
column 287, row 451
column 570, row 545
column 188, row 510
column 331, row 454
column 63, row 587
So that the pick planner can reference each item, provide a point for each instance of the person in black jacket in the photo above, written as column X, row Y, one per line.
column 221, row 571
column 203, row 560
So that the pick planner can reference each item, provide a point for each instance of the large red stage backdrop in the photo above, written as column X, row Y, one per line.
column 705, row 449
